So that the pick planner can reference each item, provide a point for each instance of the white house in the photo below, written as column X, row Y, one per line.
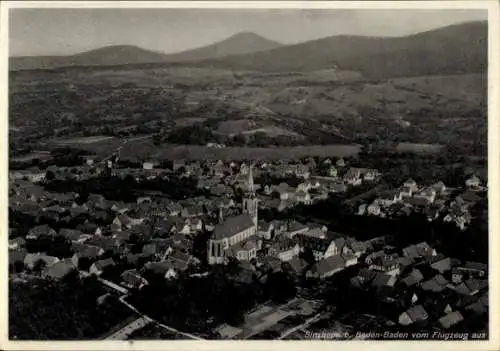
column 374, row 209
column 473, row 182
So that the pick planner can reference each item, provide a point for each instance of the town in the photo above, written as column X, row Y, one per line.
column 172, row 234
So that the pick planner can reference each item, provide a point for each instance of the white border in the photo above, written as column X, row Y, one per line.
column 493, row 175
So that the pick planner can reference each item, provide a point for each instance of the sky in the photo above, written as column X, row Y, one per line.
column 69, row 31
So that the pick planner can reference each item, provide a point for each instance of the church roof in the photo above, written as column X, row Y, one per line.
column 232, row 226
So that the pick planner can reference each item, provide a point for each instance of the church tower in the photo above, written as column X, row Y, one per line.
column 250, row 201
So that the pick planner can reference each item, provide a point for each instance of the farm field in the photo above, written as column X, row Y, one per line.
column 81, row 140
column 419, row 148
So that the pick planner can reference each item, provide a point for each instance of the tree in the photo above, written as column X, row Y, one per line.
column 38, row 266
column 49, row 175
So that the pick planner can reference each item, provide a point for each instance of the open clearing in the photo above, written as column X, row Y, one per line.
column 419, row 148
column 244, row 153
column 82, row 140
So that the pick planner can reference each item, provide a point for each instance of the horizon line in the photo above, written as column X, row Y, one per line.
column 244, row 32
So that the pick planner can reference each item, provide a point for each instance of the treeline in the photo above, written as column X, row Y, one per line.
column 204, row 133
column 62, row 310
column 126, row 189
column 468, row 245
column 198, row 304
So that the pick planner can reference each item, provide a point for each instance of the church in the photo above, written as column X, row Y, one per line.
column 236, row 237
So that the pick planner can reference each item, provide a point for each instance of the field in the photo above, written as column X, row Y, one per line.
column 154, row 332
column 266, row 317
column 82, row 140
column 419, row 148
column 246, row 153
column 418, row 110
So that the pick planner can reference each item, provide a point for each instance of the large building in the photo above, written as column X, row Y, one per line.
column 236, row 237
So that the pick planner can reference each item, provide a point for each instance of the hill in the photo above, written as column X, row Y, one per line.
column 241, row 43
column 456, row 49
column 106, row 56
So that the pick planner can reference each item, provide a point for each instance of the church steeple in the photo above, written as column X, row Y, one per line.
column 250, row 184
column 250, row 201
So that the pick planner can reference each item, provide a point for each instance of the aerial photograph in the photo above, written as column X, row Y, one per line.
column 247, row 174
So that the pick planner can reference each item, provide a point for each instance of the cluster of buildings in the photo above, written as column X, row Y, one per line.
column 125, row 242
column 435, row 201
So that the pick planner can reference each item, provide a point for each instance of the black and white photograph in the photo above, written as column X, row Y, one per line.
column 248, row 173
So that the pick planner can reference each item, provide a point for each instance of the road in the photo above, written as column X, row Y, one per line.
column 141, row 321
column 125, row 332
column 309, row 321
column 151, row 320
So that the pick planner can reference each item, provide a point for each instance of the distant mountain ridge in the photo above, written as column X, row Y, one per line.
column 456, row 49
column 241, row 43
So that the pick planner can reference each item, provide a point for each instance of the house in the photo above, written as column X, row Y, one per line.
column 437, row 284
column 476, row 285
column 336, row 247
column 331, row 172
column 411, row 184
column 296, row 266
column 480, row 307
column 413, row 278
column 150, row 165
column 428, row 195
column 374, row 209
column 388, row 198
column 72, row 235
column 337, row 187
column 123, row 221
column 285, row 249
column 370, row 175
column 265, row 229
column 473, row 182
column 350, row 259
column 353, row 177
column 100, row 266
column 268, row 264
column 474, row 269
column 302, row 197
column 169, row 269
column 450, row 319
column 439, row 187
column 17, row 243
column 419, row 250
column 412, row 315
column 131, row 279
column 419, row 202
column 318, row 246
column 97, row 201
column 386, row 264
column 173, row 208
column 362, row 209
column 85, row 253
column 59, row 269
column 16, row 259
column 442, row 265
column 245, row 250
column 314, row 232
column 31, row 259
column 357, row 248
column 383, row 281
column 326, row 267
column 41, row 230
